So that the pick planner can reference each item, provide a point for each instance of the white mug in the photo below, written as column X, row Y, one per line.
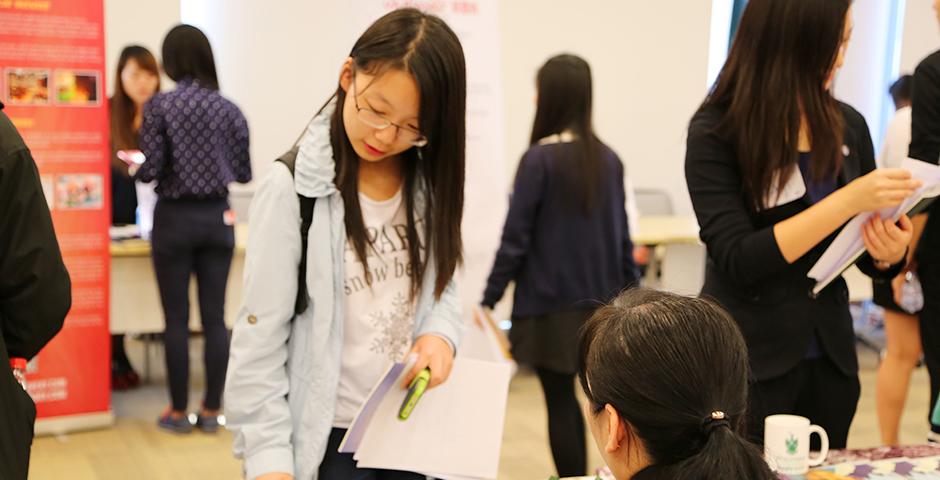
column 786, row 444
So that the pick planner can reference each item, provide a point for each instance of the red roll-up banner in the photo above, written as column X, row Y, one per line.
column 52, row 64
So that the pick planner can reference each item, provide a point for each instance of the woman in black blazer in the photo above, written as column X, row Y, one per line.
column 769, row 203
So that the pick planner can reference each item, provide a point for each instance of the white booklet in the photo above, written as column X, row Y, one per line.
column 455, row 431
column 848, row 246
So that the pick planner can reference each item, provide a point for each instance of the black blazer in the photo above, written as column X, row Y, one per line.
column 745, row 271
column 925, row 146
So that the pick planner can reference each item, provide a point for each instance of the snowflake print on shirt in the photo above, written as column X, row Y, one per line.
column 378, row 328
column 394, row 328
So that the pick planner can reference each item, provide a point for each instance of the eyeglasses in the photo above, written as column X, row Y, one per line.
column 379, row 122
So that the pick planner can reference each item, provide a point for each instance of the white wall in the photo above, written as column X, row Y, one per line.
column 870, row 66
column 141, row 22
column 278, row 64
column 921, row 35
column 648, row 79
column 650, row 66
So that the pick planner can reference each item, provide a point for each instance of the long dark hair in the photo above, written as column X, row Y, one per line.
column 565, row 96
column 426, row 48
column 782, row 56
column 666, row 363
column 188, row 54
column 123, row 109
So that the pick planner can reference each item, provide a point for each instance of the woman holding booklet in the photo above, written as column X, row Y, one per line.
column 772, row 177
column 380, row 171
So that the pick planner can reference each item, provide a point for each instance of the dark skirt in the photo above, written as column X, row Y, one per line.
column 883, row 296
column 548, row 341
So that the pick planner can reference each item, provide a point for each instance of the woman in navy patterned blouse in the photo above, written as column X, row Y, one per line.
column 196, row 143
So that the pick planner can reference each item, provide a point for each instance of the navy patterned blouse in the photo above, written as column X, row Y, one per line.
column 195, row 142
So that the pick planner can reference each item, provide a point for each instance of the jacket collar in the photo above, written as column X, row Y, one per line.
column 315, row 171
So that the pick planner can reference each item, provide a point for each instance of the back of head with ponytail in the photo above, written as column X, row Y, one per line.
column 675, row 369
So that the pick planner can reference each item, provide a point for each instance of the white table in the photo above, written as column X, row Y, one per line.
column 678, row 264
column 135, row 298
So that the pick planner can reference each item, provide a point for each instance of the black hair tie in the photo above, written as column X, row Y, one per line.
column 717, row 419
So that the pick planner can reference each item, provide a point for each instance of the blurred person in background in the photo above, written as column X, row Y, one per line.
column 138, row 79
column 195, row 142
column 566, row 244
column 925, row 146
column 903, row 349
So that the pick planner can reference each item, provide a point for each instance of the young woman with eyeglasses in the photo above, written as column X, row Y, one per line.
column 384, row 163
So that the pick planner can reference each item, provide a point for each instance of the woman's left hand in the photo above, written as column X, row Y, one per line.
column 887, row 241
column 435, row 353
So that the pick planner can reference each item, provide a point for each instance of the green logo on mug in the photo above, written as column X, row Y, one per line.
column 792, row 444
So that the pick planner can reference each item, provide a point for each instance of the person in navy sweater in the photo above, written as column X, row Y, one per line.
column 565, row 244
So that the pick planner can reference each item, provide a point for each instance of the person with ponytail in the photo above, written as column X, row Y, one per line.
column 383, row 164
column 666, row 381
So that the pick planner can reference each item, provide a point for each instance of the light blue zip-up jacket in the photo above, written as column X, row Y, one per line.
column 283, row 372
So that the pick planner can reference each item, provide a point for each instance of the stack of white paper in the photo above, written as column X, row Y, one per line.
column 849, row 246
column 454, row 433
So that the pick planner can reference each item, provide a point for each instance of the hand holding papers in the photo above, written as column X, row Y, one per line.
column 849, row 246
column 455, row 432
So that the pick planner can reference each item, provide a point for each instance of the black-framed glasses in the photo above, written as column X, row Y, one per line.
column 379, row 122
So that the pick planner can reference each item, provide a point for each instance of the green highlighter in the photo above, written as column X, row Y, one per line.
column 415, row 391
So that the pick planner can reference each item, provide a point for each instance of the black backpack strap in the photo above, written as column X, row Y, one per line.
column 289, row 159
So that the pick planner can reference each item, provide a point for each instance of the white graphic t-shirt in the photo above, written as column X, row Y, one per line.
column 379, row 323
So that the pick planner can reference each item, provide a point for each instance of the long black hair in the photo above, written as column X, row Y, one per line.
column 666, row 363
column 565, row 97
column 775, row 75
column 188, row 54
column 425, row 47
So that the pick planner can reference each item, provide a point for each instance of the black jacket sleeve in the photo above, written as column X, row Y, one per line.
column 35, row 289
column 517, row 232
column 925, row 111
column 744, row 252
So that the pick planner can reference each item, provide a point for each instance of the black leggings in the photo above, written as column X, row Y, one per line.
column 120, row 364
column 565, row 423
column 191, row 238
